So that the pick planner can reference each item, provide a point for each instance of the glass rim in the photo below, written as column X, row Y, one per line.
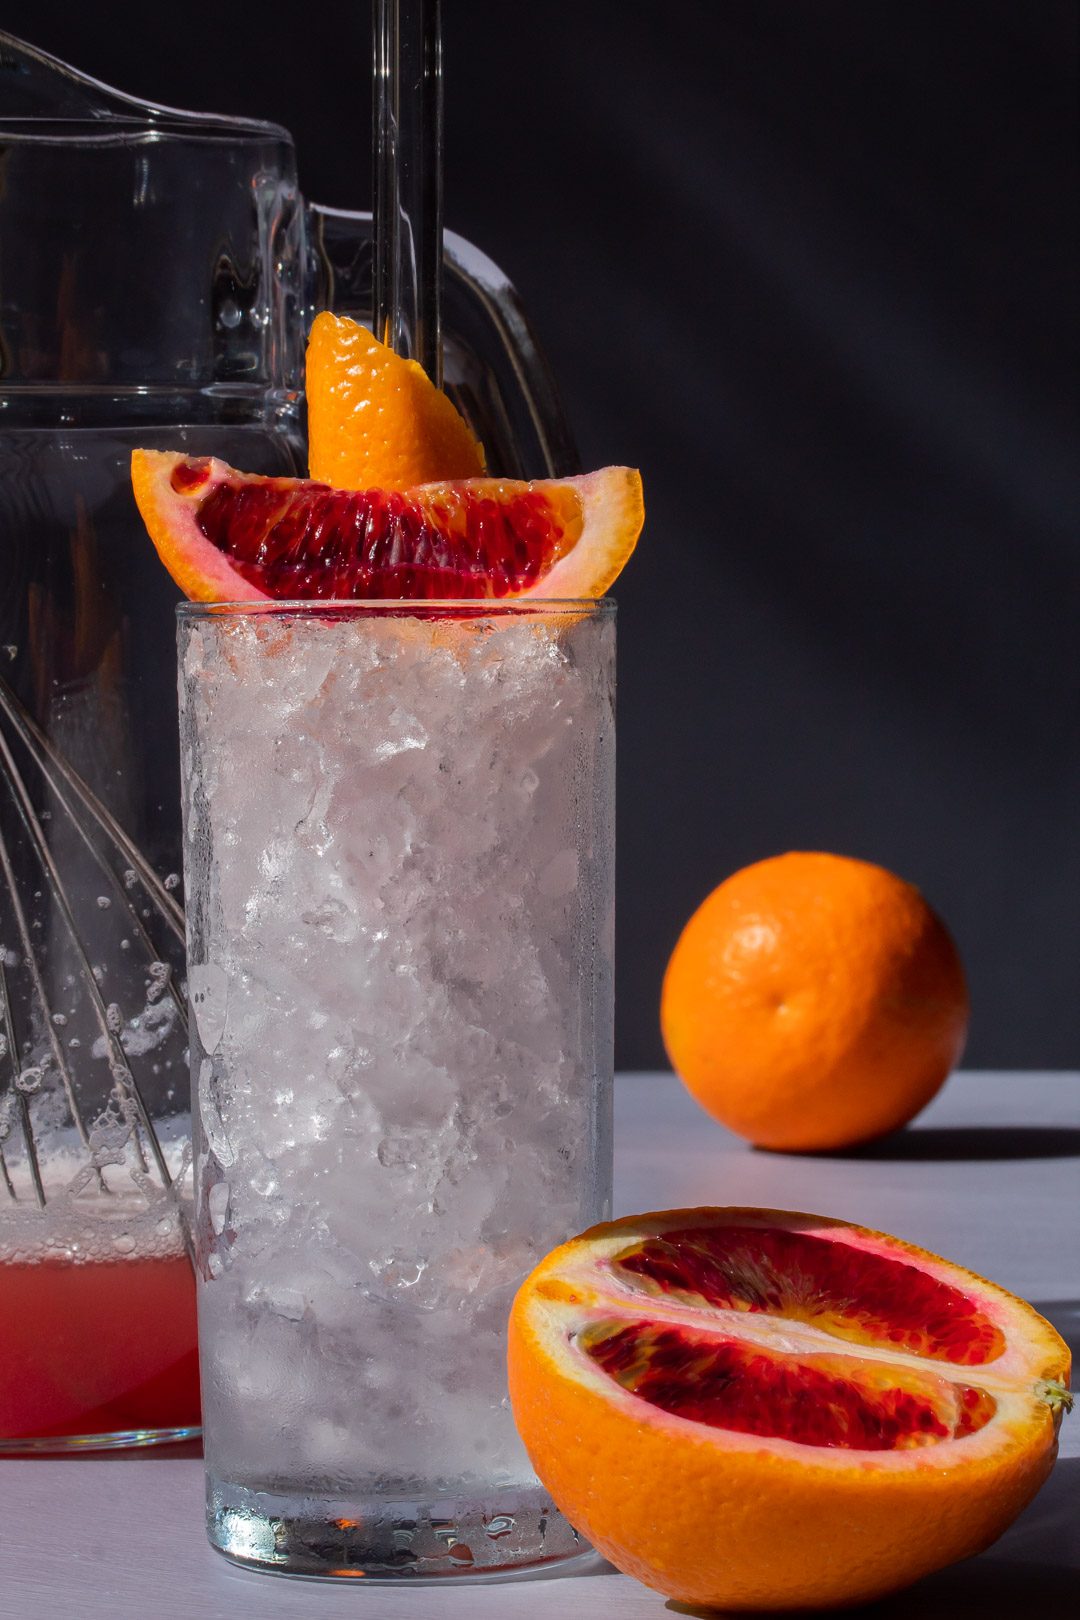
column 139, row 131
column 481, row 607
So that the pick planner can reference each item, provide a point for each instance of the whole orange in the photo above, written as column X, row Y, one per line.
column 813, row 1002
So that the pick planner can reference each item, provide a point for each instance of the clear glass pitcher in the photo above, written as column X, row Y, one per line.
column 158, row 272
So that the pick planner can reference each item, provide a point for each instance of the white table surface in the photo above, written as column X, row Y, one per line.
column 990, row 1176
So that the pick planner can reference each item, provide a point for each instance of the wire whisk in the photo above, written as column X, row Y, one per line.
column 93, row 1016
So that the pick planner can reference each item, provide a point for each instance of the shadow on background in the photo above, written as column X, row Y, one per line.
column 942, row 1144
column 993, row 1592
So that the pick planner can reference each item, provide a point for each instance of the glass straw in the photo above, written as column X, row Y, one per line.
column 408, row 190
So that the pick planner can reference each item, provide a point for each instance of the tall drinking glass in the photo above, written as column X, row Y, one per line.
column 399, row 871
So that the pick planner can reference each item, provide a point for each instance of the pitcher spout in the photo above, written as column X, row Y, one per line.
column 35, row 86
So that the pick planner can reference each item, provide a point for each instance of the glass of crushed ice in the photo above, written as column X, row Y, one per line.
column 399, row 871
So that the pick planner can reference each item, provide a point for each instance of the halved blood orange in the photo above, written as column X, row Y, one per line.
column 756, row 1409
column 231, row 536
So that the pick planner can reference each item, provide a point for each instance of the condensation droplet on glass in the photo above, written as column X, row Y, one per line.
column 114, row 1018
column 157, row 982
column 173, row 880
column 131, row 877
column 103, row 902
column 59, row 1019
column 125, row 944
column 11, row 649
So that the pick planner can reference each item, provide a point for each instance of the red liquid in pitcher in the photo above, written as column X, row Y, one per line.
column 97, row 1347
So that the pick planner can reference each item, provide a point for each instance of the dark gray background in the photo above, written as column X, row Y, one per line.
column 810, row 264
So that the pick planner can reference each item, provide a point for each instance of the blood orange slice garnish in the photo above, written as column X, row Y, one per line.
column 231, row 536
column 759, row 1409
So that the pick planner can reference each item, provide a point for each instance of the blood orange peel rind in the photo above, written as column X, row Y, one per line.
column 754, row 1526
column 171, row 519
column 375, row 419
column 613, row 503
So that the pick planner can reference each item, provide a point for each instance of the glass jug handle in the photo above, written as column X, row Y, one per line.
column 493, row 367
